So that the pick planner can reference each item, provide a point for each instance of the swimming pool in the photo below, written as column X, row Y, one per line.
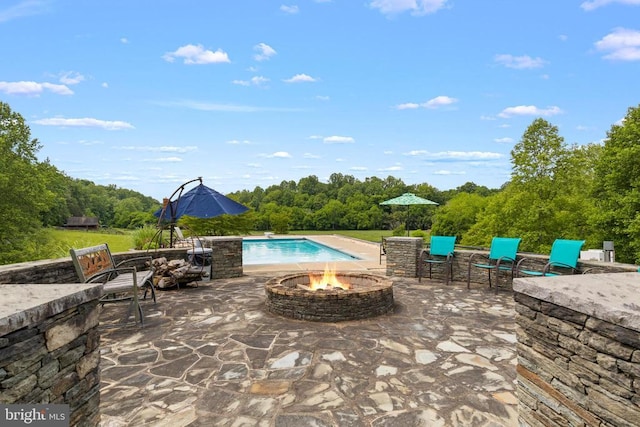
column 289, row 251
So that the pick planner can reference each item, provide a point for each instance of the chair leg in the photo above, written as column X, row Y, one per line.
column 149, row 285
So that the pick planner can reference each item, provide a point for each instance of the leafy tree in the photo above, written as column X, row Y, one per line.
column 544, row 199
column 25, row 195
column 617, row 188
column 458, row 215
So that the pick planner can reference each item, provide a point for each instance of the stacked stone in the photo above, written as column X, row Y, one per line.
column 403, row 255
column 226, row 257
column 575, row 369
column 55, row 361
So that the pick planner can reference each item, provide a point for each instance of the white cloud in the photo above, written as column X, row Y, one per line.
column 85, row 122
column 22, row 9
column 322, row 98
column 280, row 155
column 448, row 172
column 529, row 110
column 339, row 140
column 519, row 62
column 311, row 156
column 465, row 155
column 416, row 7
column 196, row 54
column 439, row 101
column 166, row 159
column 408, row 106
column 124, row 40
column 237, row 142
column 265, row 52
column 292, row 10
column 505, row 140
column 416, row 153
column 71, row 78
column 299, row 78
column 594, row 4
column 33, row 88
column 315, row 137
column 105, row 85
column 255, row 81
column 622, row 44
column 359, row 168
column 391, row 169
column 254, row 165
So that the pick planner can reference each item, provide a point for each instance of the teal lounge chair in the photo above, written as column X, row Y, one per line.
column 440, row 251
column 502, row 257
column 562, row 259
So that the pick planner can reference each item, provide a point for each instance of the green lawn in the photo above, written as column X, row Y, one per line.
column 370, row 235
column 67, row 239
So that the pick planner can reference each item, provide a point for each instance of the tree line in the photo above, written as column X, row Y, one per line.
column 556, row 190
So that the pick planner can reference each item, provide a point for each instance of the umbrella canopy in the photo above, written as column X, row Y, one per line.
column 201, row 202
column 408, row 199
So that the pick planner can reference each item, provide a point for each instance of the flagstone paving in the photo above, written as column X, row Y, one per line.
column 212, row 356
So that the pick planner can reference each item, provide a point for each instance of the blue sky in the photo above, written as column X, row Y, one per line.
column 148, row 94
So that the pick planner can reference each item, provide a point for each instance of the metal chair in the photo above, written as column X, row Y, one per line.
column 562, row 258
column 502, row 257
column 440, row 251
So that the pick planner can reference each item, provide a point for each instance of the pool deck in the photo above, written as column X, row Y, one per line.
column 212, row 356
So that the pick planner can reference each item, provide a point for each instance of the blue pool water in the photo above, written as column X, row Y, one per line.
column 289, row 251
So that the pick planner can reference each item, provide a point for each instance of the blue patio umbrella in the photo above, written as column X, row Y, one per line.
column 200, row 202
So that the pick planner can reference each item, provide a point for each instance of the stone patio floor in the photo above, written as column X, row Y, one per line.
column 212, row 356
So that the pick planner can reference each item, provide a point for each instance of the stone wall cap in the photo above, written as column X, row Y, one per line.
column 24, row 305
column 221, row 238
column 408, row 239
column 612, row 297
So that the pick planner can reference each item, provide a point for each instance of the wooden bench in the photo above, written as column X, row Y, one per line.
column 120, row 282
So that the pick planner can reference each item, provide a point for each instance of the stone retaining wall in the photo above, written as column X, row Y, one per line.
column 49, row 348
column 226, row 256
column 403, row 253
column 226, row 263
column 578, row 350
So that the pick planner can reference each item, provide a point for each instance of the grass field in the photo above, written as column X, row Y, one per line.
column 67, row 239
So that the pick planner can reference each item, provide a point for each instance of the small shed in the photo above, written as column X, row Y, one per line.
column 83, row 222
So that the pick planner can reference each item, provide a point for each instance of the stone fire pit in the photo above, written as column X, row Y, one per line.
column 369, row 295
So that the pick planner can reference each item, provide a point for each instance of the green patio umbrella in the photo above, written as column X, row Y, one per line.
column 408, row 199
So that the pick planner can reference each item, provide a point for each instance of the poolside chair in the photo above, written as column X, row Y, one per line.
column 502, row 257
column 440, row 251
column 562, row 259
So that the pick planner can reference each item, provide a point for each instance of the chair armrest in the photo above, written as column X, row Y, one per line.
column 105, row 274
column 479, row 254
column 549, row 265
column 502, row 260
column 136, row 259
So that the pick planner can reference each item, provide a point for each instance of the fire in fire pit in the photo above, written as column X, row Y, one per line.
column 329, row 296
column 327, row 280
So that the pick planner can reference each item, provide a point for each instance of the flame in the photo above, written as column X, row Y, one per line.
column 328, row 279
